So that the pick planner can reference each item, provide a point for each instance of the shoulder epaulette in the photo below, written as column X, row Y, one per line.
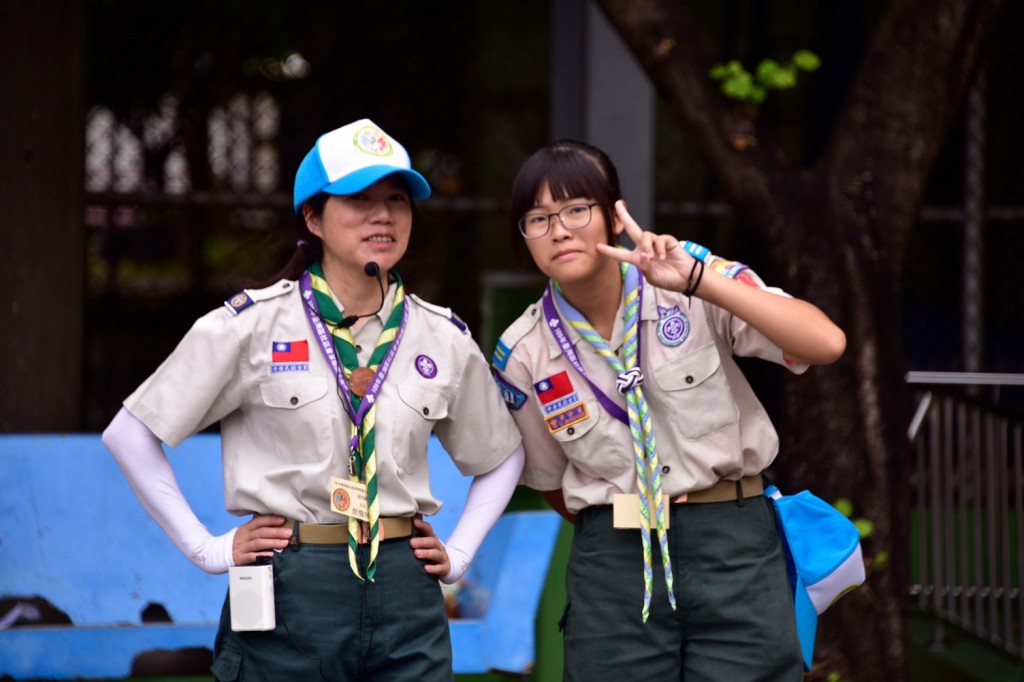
column 446, row 313
column 516, row 331
column 246, row 297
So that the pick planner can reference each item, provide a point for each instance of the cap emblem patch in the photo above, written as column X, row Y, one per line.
column 372, row 140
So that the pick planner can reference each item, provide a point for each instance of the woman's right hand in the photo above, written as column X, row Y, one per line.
column 259, row 538
column 660, row 257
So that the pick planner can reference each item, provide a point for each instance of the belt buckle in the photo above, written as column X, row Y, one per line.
column 626, row 511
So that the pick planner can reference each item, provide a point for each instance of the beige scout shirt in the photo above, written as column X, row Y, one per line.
column 708, row 423
column 285, row 432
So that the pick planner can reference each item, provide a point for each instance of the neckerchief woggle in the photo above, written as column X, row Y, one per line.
column 628, row 382
column 326, row 341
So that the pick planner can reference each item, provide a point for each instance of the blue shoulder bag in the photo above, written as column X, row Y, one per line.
column 823, row 556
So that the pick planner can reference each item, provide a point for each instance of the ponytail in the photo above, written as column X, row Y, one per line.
column 308, row 249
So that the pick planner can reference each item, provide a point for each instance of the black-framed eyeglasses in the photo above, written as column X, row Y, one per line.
column 536, row 224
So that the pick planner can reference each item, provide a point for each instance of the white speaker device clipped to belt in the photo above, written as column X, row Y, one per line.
column 251, row 595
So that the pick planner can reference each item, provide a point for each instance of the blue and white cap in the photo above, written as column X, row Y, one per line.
column 352, row 158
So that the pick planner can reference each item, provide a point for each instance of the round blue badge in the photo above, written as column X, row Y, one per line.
column 426, row 367
column 673, row 326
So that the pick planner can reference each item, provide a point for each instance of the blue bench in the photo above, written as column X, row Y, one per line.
column 72, row 533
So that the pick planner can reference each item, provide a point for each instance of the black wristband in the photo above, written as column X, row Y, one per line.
column 691, row 285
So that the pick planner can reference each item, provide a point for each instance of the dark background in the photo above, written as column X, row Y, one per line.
column 467, row 88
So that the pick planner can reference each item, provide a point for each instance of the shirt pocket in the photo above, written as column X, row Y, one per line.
column 297, row 418
column 590, row 446
column 419, row 410
column 697, row 393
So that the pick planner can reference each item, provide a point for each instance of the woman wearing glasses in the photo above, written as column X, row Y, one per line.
column 639, row 428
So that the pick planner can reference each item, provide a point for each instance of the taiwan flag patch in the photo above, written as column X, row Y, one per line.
column 555, row 393
column 289, row 356
column 554, row 387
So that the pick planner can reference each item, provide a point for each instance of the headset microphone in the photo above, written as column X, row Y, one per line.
column 372, row 270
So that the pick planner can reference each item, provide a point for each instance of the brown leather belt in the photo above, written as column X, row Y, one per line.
column 723, row 491
column 392, row 528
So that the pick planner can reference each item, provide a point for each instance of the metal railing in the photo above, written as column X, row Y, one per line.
column 968, row 566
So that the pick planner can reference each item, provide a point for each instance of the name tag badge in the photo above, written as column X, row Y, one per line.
column 626, row 511
column 348, row 498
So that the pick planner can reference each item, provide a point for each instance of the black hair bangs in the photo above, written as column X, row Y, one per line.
column 568, row 172
column 571, row 169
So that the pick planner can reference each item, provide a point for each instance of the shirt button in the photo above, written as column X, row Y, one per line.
column 689, row 380
column 426, row 410
column 665, row 469
column 359, row 349
column 294, row 400
column 570, row 430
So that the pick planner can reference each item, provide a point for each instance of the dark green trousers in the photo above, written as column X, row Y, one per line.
column 734, row 620
column 331, row 626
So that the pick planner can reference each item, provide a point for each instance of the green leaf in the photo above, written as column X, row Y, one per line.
column 767, row 70
column 881, row 559
column 734, row 66
column 786, row 78
column 805, row 60
column 865, row 527
column 833, row 677
column 718, row 71
column 739, row 86
column 844, row 506
column 735, row 89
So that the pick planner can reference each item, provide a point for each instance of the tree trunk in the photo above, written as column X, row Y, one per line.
column 836, row 235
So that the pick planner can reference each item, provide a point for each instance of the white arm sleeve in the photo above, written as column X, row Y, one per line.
column 487, row 498
column 142, row 459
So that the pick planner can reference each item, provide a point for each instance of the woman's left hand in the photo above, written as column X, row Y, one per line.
column 259, row 537
column 428, row 547
column 660, row 257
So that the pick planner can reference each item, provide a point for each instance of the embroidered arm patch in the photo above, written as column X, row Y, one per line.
column 513, row 397
column 737, row 271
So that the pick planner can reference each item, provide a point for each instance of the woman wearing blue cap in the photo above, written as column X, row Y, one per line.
column 327, row 386
column 639, row 427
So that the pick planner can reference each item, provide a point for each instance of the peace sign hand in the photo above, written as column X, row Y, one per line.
column 660, row 257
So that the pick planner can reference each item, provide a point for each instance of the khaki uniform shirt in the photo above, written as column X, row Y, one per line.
column 708, row 423
column 283, row 427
